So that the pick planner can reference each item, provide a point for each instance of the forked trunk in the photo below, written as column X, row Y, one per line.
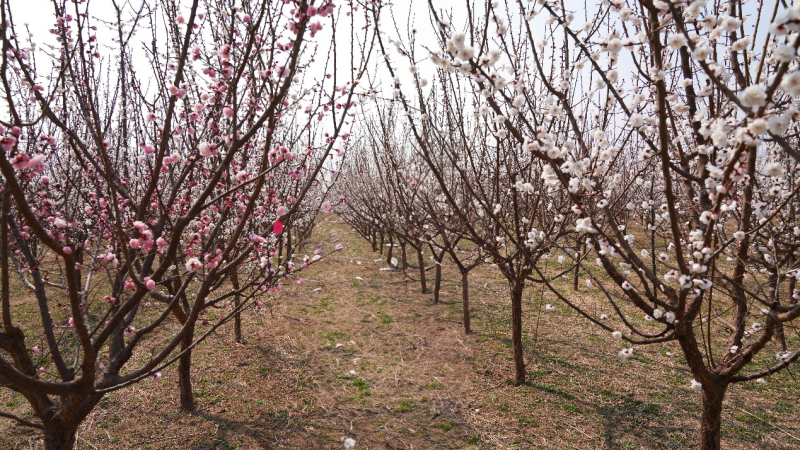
column 421, row 262
column 185, row 373
column 516, row 334
column 465, row 301
column 711, row 418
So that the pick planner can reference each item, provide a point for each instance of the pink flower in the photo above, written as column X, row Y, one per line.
column 277, row 227
column 156, row 376
column 130, row 331
column 161, row 242
column 135, row 243
column 227, row 111
column 35, row 350
column 339, row 247
column 67, row 250
column 193, row 264
column 205, row 149
column 71, row 322
column 150, row 284
column 7, row 143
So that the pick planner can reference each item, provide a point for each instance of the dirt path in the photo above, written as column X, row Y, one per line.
column 358, row 352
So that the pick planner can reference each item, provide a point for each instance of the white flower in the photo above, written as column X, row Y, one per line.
column 754, row 96
column 625, row 353
column 730, row 24
column 696, row 386
column 584, row 225
column 761, row 381
column 757, row 127
column 349, row 443
column 778, row 124
column 739, row 235
column 676, row 41
column 773, row 170
column 636, row 120
column 627, row 286
column 701, row 53
column 617, row 335
column 669, row 316
column 549, row 307
column 657, row 313
column 785, row 53
column 790, row 84
column 614, row 45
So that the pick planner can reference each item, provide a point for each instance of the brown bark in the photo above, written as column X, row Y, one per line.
column 516, row 334
column 421, row 262
column 237, row 318
column 185, row 373
column 465, row 301
column 404, row 262
column 391, row 250
column 58, row 436
column 577, row 268
column 437, row 282
column 711, row 419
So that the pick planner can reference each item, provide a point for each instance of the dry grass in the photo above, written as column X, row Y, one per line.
column 376, row 360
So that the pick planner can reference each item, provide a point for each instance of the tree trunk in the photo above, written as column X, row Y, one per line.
column 185, row 373
column 421, row 262
column 780, row 337
column 391, row 250
column 237, row 318
column 404, row 262
column 59, row 436
column 437, row 282
column 381, row 233
column 577, row 267
column 711, row 419
column 516, row 333
column 465, row 301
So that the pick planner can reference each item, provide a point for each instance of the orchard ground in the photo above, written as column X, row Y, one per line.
column 376, row 360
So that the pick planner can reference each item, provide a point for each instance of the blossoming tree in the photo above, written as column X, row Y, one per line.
column 136, row 194
column 680, row 100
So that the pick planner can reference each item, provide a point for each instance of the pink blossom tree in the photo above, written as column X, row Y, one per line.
column 137, row 197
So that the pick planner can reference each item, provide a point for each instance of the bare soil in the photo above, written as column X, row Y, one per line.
column 375, row 360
